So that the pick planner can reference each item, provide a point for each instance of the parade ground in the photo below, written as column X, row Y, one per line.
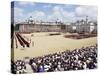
column 42, row 44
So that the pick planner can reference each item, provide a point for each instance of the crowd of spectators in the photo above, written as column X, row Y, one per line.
column 77, row 59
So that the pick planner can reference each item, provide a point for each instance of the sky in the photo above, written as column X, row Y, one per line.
column 52, row 12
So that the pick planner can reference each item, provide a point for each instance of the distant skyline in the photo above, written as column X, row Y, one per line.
column 51, row 12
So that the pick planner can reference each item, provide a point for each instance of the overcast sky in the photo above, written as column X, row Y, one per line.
column 52, row 12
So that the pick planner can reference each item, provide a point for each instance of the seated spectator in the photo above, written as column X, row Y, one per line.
column 77, row 59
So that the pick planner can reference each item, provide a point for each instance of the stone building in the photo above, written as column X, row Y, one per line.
column 25, row 27
column 82, row 26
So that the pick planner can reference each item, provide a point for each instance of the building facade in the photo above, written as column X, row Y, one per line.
column 57, row 27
